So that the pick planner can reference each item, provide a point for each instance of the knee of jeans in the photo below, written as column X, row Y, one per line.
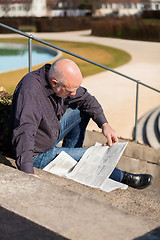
column 37, row 161
column 45, row 158
column 71, row 110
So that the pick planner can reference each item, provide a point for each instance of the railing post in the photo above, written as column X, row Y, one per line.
column 30, row 53
column 136, row 112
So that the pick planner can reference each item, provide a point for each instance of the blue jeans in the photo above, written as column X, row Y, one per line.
column 72, row 130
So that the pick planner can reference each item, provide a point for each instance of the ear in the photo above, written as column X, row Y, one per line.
column 54, row 82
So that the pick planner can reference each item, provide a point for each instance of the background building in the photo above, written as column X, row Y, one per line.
column 21, row 8
column 57, row 8
column 125, row 7
column 44, row 8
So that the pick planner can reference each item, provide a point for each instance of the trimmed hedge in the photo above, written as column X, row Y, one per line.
column 46, row 24
column 127, row 28
column 5, row 106
column 122, row 27
column 151, row 14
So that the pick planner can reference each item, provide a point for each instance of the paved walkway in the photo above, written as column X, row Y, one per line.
column 115, row 93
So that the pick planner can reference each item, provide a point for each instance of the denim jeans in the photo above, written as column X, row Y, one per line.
column 72, row 130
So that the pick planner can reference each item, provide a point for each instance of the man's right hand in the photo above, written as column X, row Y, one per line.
column 35, row 175
column 110, row 134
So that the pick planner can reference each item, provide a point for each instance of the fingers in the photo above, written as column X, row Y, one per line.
column 34, row 175
column 109, row 141
column 110, row 134
column 112, row 138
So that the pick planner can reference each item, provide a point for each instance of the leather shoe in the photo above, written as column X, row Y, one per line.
column 138, row 181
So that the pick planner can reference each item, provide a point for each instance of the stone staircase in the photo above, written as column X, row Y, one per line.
column 148, row 128
column 57, row 208
column 137, row 158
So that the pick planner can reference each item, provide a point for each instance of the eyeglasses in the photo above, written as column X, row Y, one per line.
column 67, row 90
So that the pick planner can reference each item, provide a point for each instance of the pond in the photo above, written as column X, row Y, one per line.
column 15, row 56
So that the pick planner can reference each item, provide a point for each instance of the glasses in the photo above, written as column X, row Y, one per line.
column 69, row 91
column 66, row 89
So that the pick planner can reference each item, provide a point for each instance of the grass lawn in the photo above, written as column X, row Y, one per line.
column 110, row 57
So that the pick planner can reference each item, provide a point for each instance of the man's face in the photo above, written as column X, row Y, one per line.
column 64, row 90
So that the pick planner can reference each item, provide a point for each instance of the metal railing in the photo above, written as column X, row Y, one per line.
column 31, row 37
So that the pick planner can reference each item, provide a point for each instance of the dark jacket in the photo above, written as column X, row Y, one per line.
column 36, row 114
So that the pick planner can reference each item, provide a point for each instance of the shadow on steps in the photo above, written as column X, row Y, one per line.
column 16, row 227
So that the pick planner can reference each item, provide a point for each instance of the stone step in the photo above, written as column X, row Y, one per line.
column 141, row 128
column 159, row 123
column 137, row 158
column 57, row 208
column 148, row 129
column 152, row 132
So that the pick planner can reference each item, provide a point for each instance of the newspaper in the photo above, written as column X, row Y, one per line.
column 93, row 169
column 61, row 165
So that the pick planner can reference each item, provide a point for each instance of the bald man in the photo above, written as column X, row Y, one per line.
column 49, row 105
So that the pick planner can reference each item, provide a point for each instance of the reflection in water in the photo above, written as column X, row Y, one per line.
column 11, row 52
column 15, row 56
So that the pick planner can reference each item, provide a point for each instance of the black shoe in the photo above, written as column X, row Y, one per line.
column 138, row 181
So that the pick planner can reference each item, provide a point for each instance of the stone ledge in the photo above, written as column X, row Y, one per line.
column 137, row 158
column 133, row 150
column 135, row 165
column 71, row 210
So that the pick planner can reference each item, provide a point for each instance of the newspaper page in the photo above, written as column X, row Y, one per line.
column 93, row 169
column 97, row 164
column 61, row 165
column 110, row 185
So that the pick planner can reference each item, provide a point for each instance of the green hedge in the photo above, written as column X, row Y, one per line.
column 5, row 106
column 154, row 14
column 126, row 28
column 46, row 24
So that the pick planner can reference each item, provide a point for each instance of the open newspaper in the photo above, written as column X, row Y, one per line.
column 93, row 169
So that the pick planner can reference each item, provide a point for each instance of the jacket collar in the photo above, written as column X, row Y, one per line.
column 44, row 79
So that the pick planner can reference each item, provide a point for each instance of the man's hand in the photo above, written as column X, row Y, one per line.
column 110, row 134
column 34, row 175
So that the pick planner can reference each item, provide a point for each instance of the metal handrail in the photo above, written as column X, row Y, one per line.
column 31, row 37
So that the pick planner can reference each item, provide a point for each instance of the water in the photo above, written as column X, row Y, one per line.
column 15, row 56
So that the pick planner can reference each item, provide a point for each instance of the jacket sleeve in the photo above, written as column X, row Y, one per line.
column 89, row 104
column 26, row 120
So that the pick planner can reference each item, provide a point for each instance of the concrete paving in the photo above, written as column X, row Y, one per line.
column 115, row 93
column 57, row 208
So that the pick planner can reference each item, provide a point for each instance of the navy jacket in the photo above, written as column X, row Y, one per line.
column 36, row 114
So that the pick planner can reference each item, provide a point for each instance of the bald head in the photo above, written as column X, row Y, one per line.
column 65, row 77
column 66, row 71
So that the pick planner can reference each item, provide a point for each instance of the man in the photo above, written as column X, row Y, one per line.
column 50, row 105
